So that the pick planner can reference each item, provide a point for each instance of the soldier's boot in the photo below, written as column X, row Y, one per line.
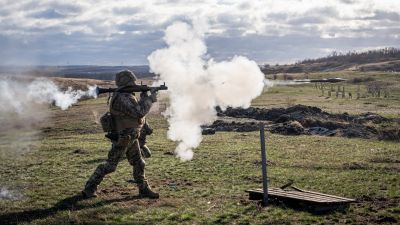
column 89, row 191
column 146, row 192
column 146, row 151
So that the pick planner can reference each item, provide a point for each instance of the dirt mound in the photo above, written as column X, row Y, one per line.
column 392, row 134
column 302, row 119
column 288, row 128
column 220, row 125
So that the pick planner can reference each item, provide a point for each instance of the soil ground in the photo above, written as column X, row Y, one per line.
column 301, row 119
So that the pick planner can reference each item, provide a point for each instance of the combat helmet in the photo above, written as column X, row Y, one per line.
column 125, row 78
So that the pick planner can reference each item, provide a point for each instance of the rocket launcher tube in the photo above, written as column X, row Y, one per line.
column 131, row 89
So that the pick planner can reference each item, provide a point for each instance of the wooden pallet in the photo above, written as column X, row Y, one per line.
column 312, row 200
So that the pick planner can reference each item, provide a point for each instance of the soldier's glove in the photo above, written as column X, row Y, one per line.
column 144, row 94
column 152, row 97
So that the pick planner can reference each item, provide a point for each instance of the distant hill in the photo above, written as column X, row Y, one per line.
column 76, row 71
column 387, row 59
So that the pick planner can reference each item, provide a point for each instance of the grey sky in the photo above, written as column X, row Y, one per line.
column 114, row 32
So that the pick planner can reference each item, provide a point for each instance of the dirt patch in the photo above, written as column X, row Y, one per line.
column 384, row 160
column 301, row 119
column 375, row 213
column 79, row 152
column 355, row 166
column 392, row 134
column 127, row 197
column 175, row 184
column 117, row 192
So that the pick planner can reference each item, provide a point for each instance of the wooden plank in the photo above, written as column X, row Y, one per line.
column 314, row 195
column 309, row 198
column 302, row 195
column 333, row 196
column 290, row 196
column 311, row 194
column 322, row 195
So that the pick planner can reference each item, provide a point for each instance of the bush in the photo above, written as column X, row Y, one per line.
column 357, row 80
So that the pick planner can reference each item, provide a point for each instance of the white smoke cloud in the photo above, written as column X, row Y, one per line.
column 17, row 96
column 197, row 86
column 23, row 110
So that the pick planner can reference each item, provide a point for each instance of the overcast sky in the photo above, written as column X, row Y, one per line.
column 105, row 32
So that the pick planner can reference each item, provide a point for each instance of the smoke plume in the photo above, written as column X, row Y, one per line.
column 16, row 95
column 198, row 84
column 23, row 109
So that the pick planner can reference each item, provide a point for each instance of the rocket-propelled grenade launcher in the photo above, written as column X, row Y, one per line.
column 131, row 89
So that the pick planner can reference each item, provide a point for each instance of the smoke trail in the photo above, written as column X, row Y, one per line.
column 271, row 83
column 197, row 85
column 21, row 108
column 16, row 95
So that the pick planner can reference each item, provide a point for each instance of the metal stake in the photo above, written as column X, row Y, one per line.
column 264, row 166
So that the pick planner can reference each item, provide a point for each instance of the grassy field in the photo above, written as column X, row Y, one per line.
column 307, row 94
column 210, row 188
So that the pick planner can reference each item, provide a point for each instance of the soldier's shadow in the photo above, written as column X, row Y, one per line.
column 70, row 203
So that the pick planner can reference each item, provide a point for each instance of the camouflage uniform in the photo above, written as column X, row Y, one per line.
column 129, row 117
column 146, row 130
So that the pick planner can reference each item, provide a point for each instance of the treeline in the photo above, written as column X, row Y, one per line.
column 337, row 61
column 370, row 56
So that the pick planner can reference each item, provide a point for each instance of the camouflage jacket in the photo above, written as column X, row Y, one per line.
column 128, row 112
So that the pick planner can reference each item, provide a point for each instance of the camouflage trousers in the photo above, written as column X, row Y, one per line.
column 128, row 145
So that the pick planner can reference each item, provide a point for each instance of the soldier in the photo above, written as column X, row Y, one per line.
column 128, row 117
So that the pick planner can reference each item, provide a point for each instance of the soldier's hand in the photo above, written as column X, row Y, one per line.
column 143, row 94
column 153, row 96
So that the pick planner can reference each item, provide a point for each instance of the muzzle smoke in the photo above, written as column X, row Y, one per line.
column 23, row 111
column 16, row 96
column 197, row 86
